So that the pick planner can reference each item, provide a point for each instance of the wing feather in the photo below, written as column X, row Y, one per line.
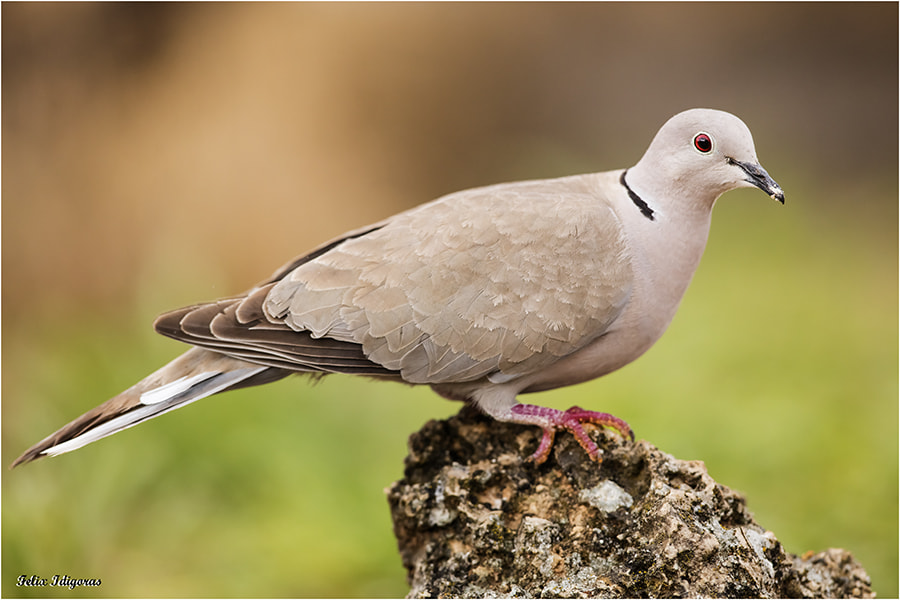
column 497, row 281
column 509, row 278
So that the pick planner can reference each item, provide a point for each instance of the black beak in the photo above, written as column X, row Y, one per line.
column 758, row 177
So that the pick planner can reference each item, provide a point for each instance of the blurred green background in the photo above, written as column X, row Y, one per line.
column 159, row 155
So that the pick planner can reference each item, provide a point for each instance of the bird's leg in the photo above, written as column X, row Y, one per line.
column 552, row 420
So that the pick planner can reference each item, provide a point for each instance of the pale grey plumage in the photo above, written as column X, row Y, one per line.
column 463, row 287
column 482, row 294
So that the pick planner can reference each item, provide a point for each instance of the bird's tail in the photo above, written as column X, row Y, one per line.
column 194, row 375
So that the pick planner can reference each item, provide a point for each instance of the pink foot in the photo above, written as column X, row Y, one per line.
column 552, row 420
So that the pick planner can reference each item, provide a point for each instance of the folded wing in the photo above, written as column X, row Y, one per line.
column 496, row 281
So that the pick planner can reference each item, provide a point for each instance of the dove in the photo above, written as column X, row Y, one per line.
column 483, row 294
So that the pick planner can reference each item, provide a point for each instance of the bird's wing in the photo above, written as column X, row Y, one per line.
column 497, row 281
column 236, row 327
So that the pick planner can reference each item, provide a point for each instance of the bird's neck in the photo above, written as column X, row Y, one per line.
column 668, row 243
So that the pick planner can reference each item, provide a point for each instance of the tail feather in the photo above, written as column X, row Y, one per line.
column 194, row 375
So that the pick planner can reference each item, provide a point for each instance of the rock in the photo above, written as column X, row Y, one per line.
column 474, row 519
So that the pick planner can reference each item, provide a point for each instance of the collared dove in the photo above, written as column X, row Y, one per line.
column 483, row 294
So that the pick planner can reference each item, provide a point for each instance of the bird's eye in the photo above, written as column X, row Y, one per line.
column 703, row 143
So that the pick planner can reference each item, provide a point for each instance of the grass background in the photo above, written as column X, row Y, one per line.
column 157, row 156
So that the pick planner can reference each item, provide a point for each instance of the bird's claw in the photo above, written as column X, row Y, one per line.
column 572, row 420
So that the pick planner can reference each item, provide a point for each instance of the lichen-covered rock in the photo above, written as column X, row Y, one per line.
column 474, row 519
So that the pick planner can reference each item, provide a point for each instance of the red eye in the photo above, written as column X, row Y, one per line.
column 703, row 143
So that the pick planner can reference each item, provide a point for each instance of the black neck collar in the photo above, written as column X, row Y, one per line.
column 638, row 201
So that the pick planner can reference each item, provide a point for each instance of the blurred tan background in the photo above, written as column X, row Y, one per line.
column 235, row 136
column 155, row 155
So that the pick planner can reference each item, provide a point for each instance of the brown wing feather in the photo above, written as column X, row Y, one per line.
column 237, row 327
